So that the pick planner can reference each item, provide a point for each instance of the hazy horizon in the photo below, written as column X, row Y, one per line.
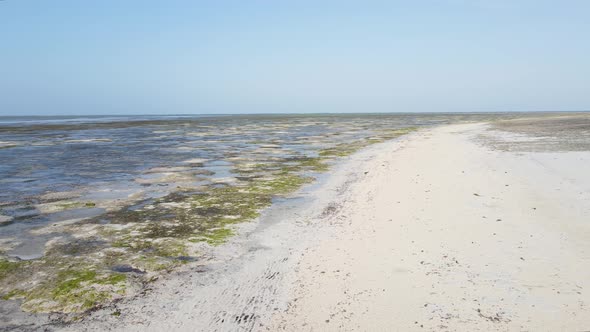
column 271, row 113
column 71, row 58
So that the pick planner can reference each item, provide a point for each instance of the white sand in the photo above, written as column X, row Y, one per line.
column 431, row 232
column 448, row 235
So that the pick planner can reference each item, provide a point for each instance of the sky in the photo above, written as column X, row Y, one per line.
column 72, row 57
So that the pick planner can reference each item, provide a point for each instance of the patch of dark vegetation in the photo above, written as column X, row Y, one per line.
column 124, row 268
column 8, row 267
column 78, row 247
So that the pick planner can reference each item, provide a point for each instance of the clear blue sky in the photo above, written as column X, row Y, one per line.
column 127, row 56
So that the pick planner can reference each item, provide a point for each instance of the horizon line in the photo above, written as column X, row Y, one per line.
column 285, row 113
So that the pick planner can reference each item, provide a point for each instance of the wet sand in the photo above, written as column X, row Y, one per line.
column 441, row 229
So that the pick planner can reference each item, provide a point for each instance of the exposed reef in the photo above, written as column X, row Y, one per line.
column 94, row 260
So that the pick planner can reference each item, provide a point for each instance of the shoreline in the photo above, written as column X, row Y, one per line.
column 244, row 284
column 435, row 230
column 64, row 251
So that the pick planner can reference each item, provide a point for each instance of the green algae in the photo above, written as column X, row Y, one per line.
column 287, row 166
column 75, row 205
column 70, row 290
column 283, row 184
column 194, row 216
column 71, row 280
column 7, row 267
column 170, row 248
column 302, row 164
column 315, row 164
column 13, row 294
column 130, row 243
column 387, row 134
column 153, row 263
column 218, row 236
column 346, row 149
column 77, row 289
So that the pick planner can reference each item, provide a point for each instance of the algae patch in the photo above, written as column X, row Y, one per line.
column 218, row 236
column 81, row 289
column 7, row 267
column 76, row 205
column 68, row 290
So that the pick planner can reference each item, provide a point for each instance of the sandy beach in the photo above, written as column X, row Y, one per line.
column 439, row 230
column 446, row 234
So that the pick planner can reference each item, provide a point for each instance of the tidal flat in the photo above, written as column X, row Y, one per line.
column 94, row 209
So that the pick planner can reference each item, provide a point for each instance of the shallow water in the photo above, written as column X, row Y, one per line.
column 61, row 169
